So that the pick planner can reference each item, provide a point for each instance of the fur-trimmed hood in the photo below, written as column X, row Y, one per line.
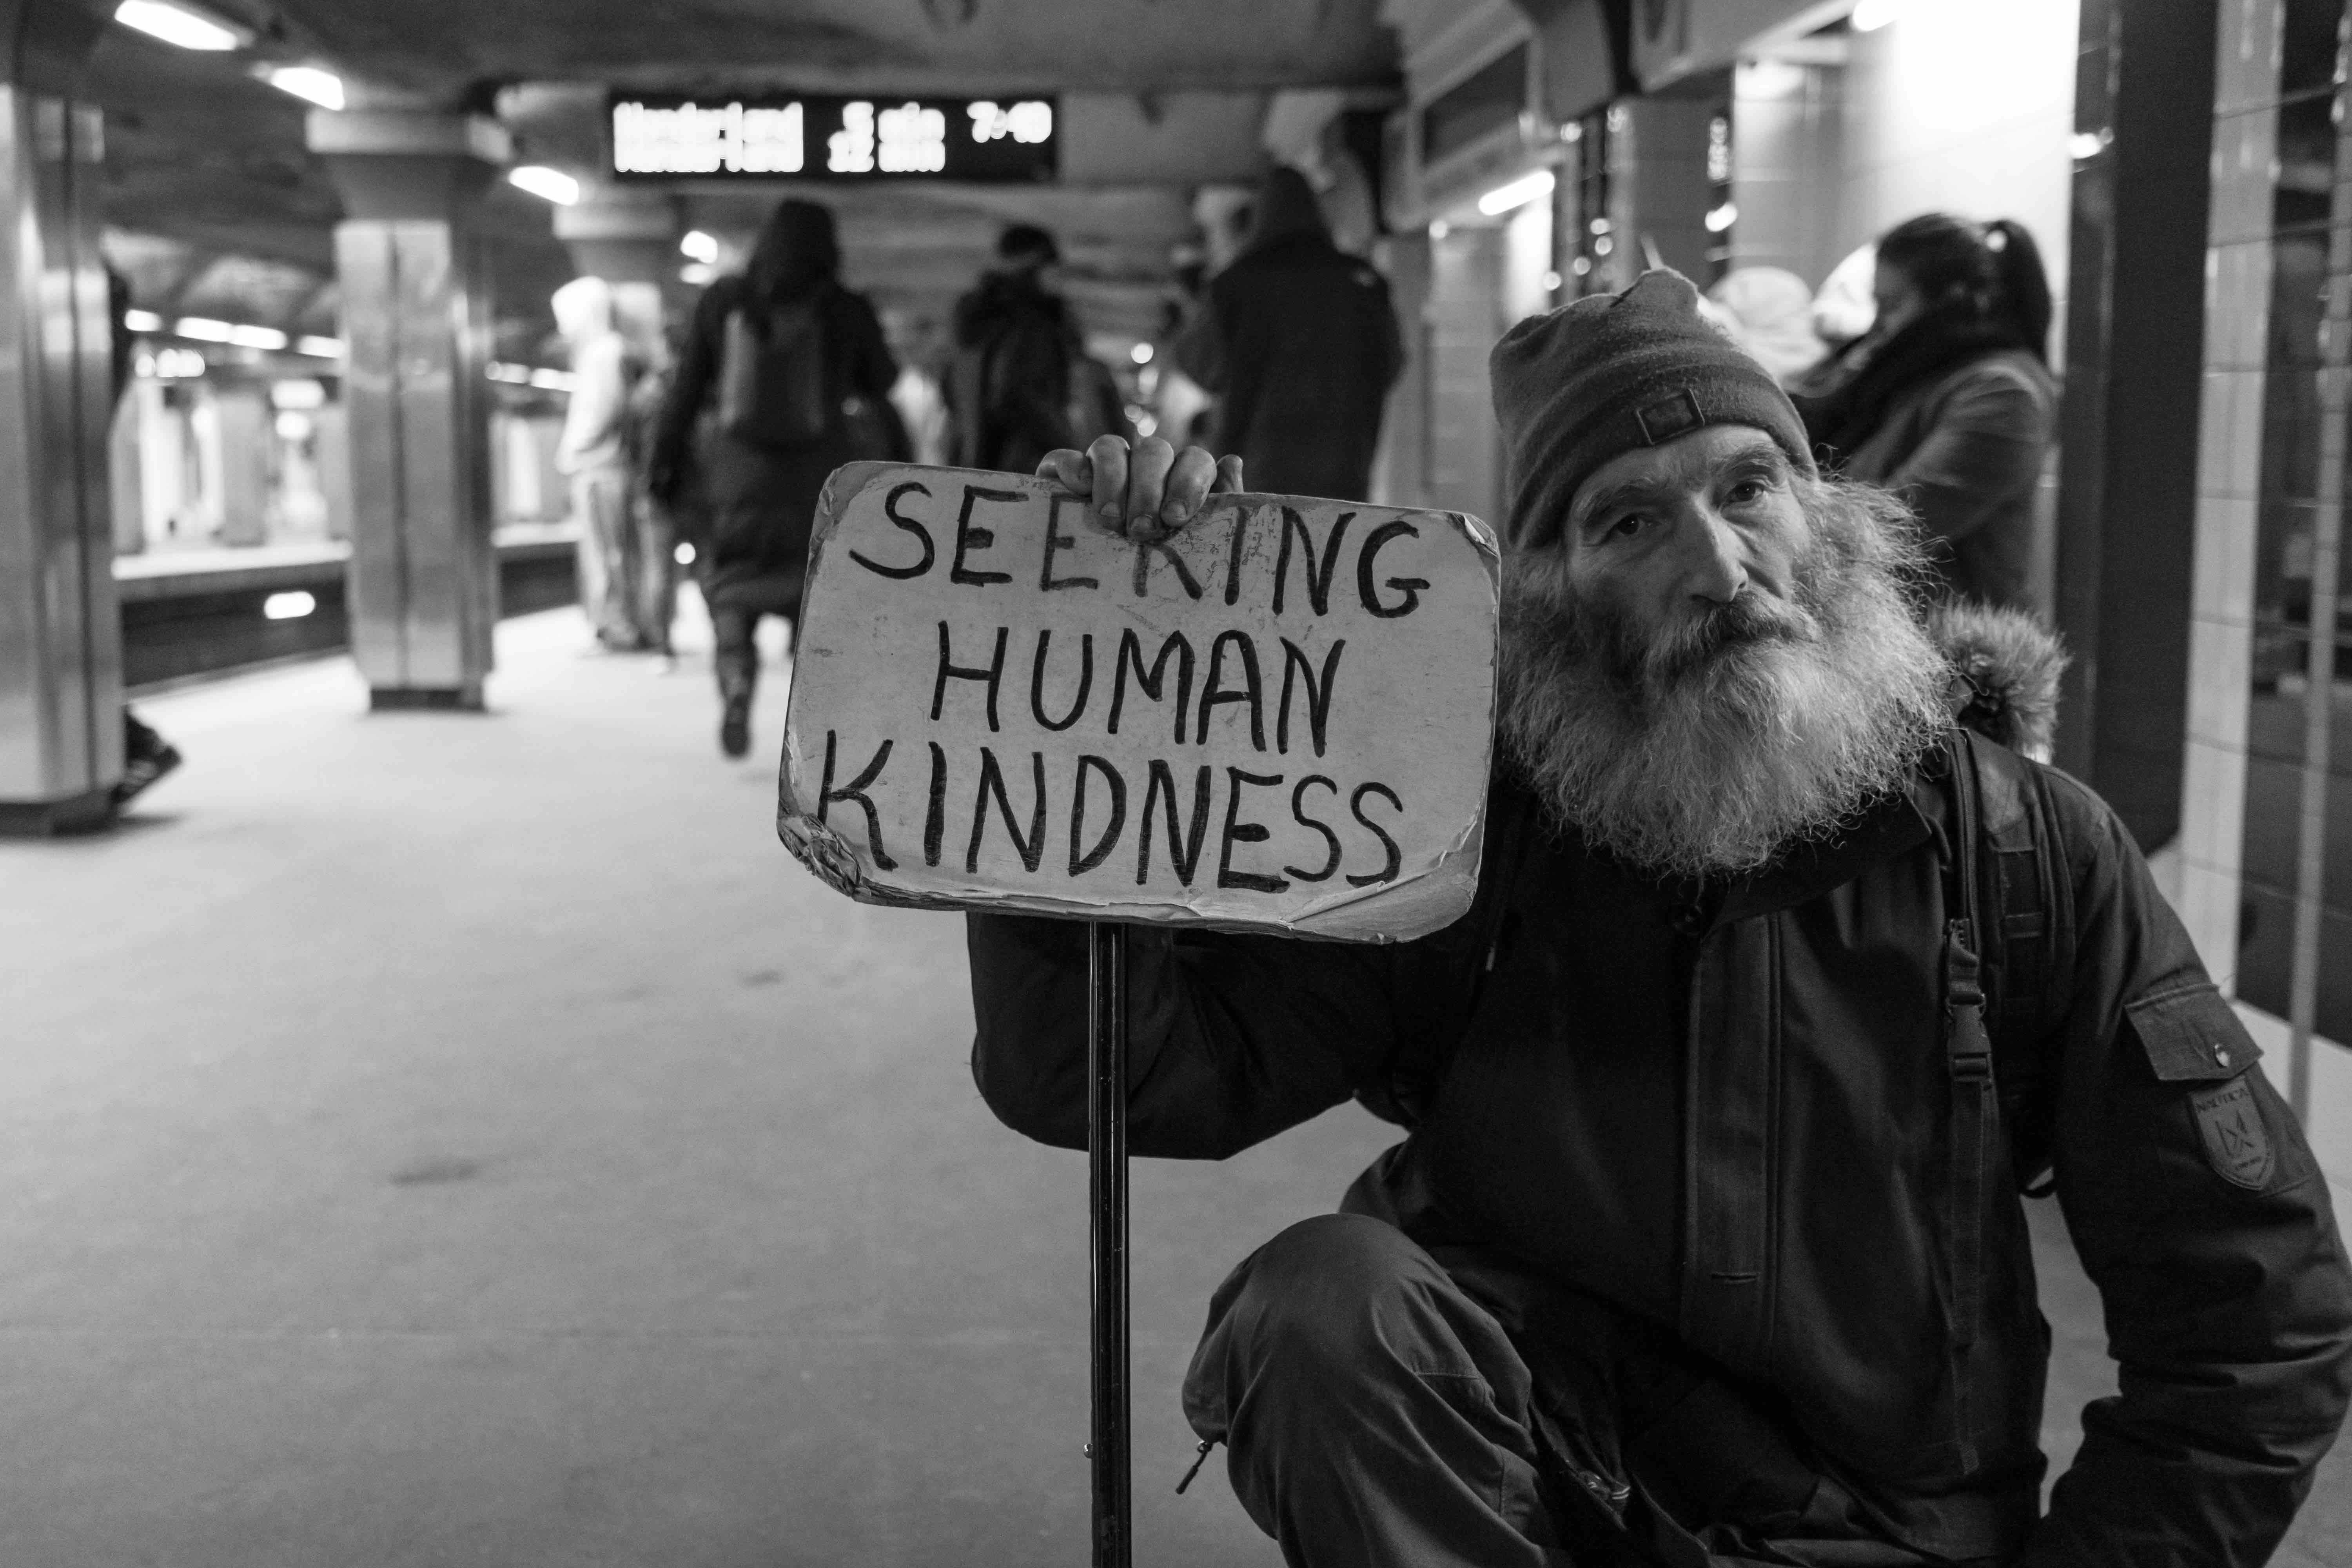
column 2005, row 669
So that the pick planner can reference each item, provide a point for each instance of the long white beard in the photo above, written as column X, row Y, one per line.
column 1715, row 751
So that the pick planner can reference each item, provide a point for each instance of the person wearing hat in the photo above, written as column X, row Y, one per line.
column 1707, row 1242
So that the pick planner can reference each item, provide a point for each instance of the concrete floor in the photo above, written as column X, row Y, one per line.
column 471, row 1141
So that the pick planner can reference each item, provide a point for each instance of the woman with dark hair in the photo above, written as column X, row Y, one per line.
column 1948, row 400
column 795, row 368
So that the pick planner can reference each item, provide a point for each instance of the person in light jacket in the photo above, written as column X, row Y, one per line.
column 1948, row 400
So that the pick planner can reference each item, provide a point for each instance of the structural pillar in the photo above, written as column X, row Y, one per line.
column 60, row 634
column 417, row 334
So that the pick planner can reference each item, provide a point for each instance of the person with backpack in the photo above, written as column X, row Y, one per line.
column 1009, row 381
column 1707, row 1243
column 1948, row 400
column 1298, row 341
column 800, row 378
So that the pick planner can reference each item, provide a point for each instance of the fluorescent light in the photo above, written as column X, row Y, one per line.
column 308, row 83
column 177, row 24
column 1518, row 193
column 697, row 274
column 141, row 321
column 257, row 338
column 552, row 379
column 698, row 247
column 288, row 606
column 683, row 554
column 319, row 347
column 204, row 329
column 547, row 184
column 1141, row 353
column 2088, row 144
column 1872, row 14
column 1722, row 217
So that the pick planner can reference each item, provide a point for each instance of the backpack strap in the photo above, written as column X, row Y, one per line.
column 1967, row 1059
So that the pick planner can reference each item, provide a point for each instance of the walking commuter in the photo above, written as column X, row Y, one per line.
column 1948, row 400
column 1009, row 380
column 1298, row 342
column 652, row 534
column 1706, row 1242
column 593, row 452
column 801, row 379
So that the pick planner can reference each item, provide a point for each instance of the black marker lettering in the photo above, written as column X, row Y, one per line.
column 1153, row 684
column 1299, row 812
column 1240, row 832
column 969, row 538
column 1185, row 856
column 1055, row 539
column 935, row 814
column 993, row 675
column 1319, row 696
column 890, row 510
column 1410, row 587
column 1032, row 846
column 856, row 790
column 1235, row 539
column 1143, row 553
column 1356, row 807
column 1037, row 681
column 1251, row 692
column 1080, row 864
column 1319, row 578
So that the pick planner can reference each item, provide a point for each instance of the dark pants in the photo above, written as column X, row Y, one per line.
column 1380, row 1409
column 735, row 611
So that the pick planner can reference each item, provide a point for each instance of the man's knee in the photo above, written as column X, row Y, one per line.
column 1332, row 1291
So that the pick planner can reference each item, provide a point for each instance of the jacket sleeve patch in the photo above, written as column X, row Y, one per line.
column 2237, row 1144
column 2192, row 1036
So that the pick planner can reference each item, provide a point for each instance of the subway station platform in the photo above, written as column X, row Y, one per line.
column 470, row 1140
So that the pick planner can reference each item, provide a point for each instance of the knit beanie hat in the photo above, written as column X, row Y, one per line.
column 1602, row 376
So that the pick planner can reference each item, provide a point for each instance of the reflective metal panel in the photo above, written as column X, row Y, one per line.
column 61, row 642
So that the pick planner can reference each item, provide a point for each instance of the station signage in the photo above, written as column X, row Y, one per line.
column 1278, row 720
column 671, row 136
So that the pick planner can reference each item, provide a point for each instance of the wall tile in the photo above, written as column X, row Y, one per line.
column 2222, row 585
column 2243, row 146
column 2246, row 53
column 2220, row 661
column 2212, row 804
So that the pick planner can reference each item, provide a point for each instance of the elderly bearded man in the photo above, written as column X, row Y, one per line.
column 1705, row 1246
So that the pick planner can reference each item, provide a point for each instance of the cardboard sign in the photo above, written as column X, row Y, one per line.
column 1280, row 719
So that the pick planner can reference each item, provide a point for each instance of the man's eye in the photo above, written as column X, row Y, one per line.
column 1747, row 491
column 1626, row 527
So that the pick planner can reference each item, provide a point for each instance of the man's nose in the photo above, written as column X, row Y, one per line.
column 1716, row 565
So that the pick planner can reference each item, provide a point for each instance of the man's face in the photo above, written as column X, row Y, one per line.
column 1661, row 540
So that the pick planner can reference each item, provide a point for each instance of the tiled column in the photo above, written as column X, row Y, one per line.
column 60, row 636
column 423, row 579
column 2238, row 266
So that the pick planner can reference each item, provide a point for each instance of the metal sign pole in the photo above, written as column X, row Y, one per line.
column 1114, row 1535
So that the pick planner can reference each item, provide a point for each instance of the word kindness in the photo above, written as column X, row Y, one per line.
column 1277, row 718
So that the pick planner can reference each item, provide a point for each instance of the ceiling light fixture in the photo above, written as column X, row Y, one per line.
column 204, row 329
column 268, row 338
column 1872, row 14
column 319, row 347
column 546, row 183
column 179, row 26
column 309, row 83
column 699, row 246
column 141, row 321
column 1518, row 193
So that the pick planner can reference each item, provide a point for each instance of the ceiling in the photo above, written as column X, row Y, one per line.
column 214, row 206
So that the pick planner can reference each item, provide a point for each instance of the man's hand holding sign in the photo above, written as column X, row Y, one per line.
column 1122, row 690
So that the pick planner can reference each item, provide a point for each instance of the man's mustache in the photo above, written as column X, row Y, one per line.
column 1682, row 650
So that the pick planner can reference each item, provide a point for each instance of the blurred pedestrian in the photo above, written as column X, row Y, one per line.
column 921, row 347
column 1298, row 341
column 652, row 534
column 592, row 453
column 1948, row 400
column 1009, row 382
column 801, row 377
column 1772, row 314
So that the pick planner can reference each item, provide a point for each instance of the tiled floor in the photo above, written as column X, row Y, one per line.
column 471, row 1141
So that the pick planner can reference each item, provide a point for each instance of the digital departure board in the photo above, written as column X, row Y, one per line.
column 660, row 136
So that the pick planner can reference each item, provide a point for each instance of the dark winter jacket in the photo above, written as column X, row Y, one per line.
column 762, row 502
column 1731, row 1113
column 1298, row 341
column 1958, row 425
column 1009, row 381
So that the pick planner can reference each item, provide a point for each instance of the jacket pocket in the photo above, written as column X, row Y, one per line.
column 2192, row 1036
